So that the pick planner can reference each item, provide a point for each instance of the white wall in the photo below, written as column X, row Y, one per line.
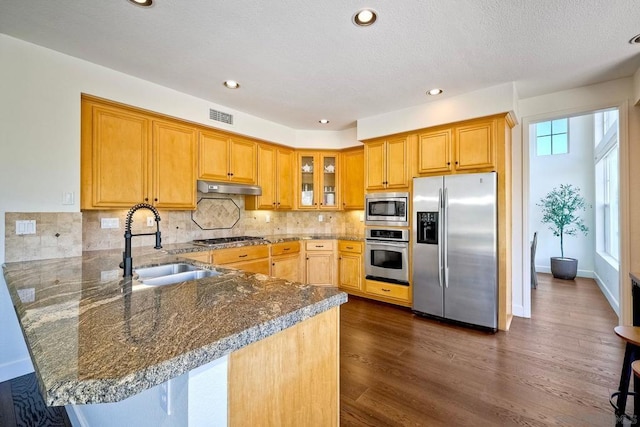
column 545, row 173
column 483, row 102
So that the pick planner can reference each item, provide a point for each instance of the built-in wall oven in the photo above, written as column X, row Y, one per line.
column 382, row 209
column 387, row 255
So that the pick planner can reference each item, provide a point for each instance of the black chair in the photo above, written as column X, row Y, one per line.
column 534, row 276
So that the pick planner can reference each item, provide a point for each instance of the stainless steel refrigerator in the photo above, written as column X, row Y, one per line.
column 455, row 241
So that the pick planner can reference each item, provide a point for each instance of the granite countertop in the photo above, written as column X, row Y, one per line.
column 179, row 248
column 93, row 338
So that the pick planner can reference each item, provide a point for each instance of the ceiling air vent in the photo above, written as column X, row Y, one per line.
column 219, row 116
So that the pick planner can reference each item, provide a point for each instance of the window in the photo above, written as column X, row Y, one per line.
column 552, row 137
column 610, row 203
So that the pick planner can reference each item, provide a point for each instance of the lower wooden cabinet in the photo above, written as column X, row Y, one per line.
column 254, row 259
column 291, row 378
column 285, row 261
column 320, row 263
column 350, row 265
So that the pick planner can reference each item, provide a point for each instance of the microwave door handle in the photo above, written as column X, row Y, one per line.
column 440, row 239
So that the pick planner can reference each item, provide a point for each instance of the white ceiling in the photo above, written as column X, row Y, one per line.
column 302, row 60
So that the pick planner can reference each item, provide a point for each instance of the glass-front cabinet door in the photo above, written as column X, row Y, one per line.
column 329, row 173
column 307, row 190
column 318, row 180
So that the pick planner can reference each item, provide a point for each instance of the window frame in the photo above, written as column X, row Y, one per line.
column 551, row 135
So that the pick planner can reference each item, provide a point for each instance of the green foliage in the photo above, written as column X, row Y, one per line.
column 560, row 208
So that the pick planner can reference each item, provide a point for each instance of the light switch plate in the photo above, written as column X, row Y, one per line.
column 26, row 226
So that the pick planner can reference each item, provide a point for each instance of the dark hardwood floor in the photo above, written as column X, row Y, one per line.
column 557, row 368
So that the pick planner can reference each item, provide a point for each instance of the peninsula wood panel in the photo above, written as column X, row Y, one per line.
column 288, row 379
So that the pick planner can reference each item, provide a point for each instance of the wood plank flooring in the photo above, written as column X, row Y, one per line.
column 557, row 368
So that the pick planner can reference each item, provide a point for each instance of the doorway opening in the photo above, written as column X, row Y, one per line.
column 581, row 150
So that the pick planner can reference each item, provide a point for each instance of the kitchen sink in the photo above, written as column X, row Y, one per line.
column 169, row 274
column 178, row 277
column 164, row 270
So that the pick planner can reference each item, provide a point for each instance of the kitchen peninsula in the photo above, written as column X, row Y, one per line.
column 94, row 338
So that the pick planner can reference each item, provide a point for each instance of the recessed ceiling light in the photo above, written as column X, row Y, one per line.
column 143, row 3
column 635, row 39
column 323, row 121
column 231, row 84
column 434, row 92
column 365, row 17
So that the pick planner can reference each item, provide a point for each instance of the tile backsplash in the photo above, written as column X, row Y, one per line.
column 58, row 235
column 81, row 231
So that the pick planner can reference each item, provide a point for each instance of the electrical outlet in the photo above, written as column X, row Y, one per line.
column 68, row 198
column 151, row 221
column 109, row 223
column 165, row 397
column 267, row 218
column 320, row 218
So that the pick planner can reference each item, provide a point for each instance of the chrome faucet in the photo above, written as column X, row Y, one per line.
column 127, row 261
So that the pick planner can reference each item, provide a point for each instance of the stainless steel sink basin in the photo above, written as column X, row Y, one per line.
column 164, row 270
column 178, row 277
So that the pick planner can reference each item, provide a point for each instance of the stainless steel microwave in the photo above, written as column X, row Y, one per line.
column 387, row 209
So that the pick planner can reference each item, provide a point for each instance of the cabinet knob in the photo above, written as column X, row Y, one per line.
column 274, row 203
column 155, row 200
column 273, row 264
column 320, row 203
column 146, row 199
column 231, row 174
column 456, row 162
column 448, row 163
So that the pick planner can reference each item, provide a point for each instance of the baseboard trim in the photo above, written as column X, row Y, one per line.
column 17, row 368
column 581, row 273
column 615, row 305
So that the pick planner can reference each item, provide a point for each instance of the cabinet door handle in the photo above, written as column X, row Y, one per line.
column 349, row 247
column 286, row 249
column 243, row 256
column 319, row 246
column 385, row 290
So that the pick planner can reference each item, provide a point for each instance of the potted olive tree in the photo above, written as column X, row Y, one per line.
column 560, row 209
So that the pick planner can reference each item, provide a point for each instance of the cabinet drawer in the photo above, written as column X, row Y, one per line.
column 319, row 245
column 285, row 248
column 204, row 256
column 350, row 246
column 388, row 290
column 245, row 253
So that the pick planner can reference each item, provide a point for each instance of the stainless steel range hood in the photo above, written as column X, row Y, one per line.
column 229, row 188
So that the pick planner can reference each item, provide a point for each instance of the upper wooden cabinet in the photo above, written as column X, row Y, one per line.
column 386, row 163
column 226, row 158
column 318, row 180
column 465, row 147
column 352, row 178
column 276, row 176
column 128, row 157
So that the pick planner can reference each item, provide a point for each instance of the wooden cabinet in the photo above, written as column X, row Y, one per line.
column 291, row 378
column 128, row 157
column 275, row 176
column 202, row 256
column 254, row 259
column 352, row 178
column 320, row 263
column 226, row 158
column 173, row 166
column 318, row 180
column 386, row 163
column 285, row 261
column 389, row 291
column 350, row 263
column 464, row 147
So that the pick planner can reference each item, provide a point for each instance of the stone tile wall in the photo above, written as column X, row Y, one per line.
column 58, row 235
column 81, row 231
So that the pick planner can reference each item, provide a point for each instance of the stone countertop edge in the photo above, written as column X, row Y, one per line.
column 104, row 391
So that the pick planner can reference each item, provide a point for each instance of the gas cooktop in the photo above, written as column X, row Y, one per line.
column 219, row 240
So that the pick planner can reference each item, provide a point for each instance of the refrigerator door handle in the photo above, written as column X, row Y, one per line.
column 440, row 225
column 445, row 255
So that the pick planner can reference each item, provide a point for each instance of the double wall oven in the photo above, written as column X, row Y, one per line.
column 387, row 237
